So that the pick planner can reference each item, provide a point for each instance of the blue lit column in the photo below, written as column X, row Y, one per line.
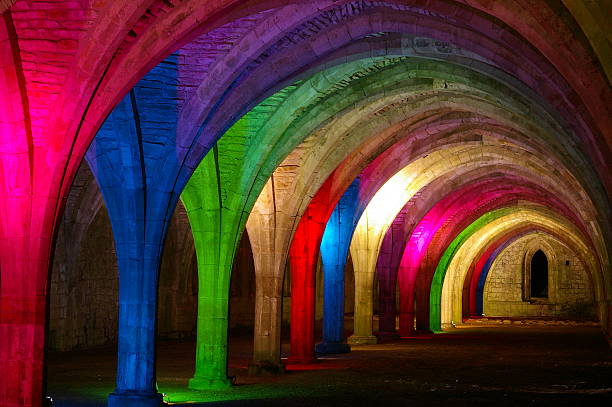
column 334, row 253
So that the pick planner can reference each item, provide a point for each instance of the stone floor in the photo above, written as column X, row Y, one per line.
column 473, row 365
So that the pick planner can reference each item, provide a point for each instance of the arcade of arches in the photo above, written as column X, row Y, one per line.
column 180, row 169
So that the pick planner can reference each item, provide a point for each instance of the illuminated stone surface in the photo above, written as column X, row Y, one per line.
column 334, row 252
column 335, row 90
column 570, row 292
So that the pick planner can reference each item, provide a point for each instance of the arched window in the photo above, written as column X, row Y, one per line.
column 539, row 275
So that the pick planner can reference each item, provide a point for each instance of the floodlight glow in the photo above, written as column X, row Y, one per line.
column 390, row 198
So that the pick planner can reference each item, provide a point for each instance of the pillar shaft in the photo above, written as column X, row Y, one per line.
column 139, row 245
column 406, row 287
column 333, row 304
column 140, row 216
column 468, row 298
column 138, row 276
column 423, row 285
column 216, row 231
column 267, row 229
column 27, row 219
column 364, row 305
column 387, row 267
column 22, row 329
column 25, row 233
column 212, row 325
column 364, row 291
column 302, row 315
column 364, row 255
column 23, row 295
column 304, row 254
column 386, row 305
column 268, row 316
column 334, row 252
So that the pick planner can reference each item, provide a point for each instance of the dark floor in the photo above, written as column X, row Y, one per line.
column 475, row 366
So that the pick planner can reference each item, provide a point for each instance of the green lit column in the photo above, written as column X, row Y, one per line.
column 216, row 232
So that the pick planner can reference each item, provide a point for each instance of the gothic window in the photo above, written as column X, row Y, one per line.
column 539, row 275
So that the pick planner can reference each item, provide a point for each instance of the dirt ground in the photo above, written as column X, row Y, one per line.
column 472, row 365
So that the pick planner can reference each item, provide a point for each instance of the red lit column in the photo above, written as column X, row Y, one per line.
column 22, row 320
column 304, row 254
column 406, row 314
column 25, row 238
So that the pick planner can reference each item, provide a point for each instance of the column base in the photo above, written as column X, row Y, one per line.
column 266, row 369
column 387, row 336
column 332, row 348
column 134, row 399
column 362, row 340
column 201, row 383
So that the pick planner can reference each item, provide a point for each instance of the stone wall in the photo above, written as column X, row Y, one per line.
column 570, row 291
column 83, row 300
column 178, row 288
column 242, row 291
column 83, row 291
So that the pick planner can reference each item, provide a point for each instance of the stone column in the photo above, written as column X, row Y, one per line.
column 386, row 307
column 216, row 230
column 22, row 323
column 334, row 253
column 27, row 219
column 364, row 250
column 212, row 325
column 268, row 316
column 387, row 267
column 406, row 317
column 263, row 225
column 423, row 287
column 140, row 219
column 304, row 254
column 138, row 261
column 364, row 292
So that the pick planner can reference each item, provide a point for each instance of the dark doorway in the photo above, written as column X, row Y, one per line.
column 539, row 275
